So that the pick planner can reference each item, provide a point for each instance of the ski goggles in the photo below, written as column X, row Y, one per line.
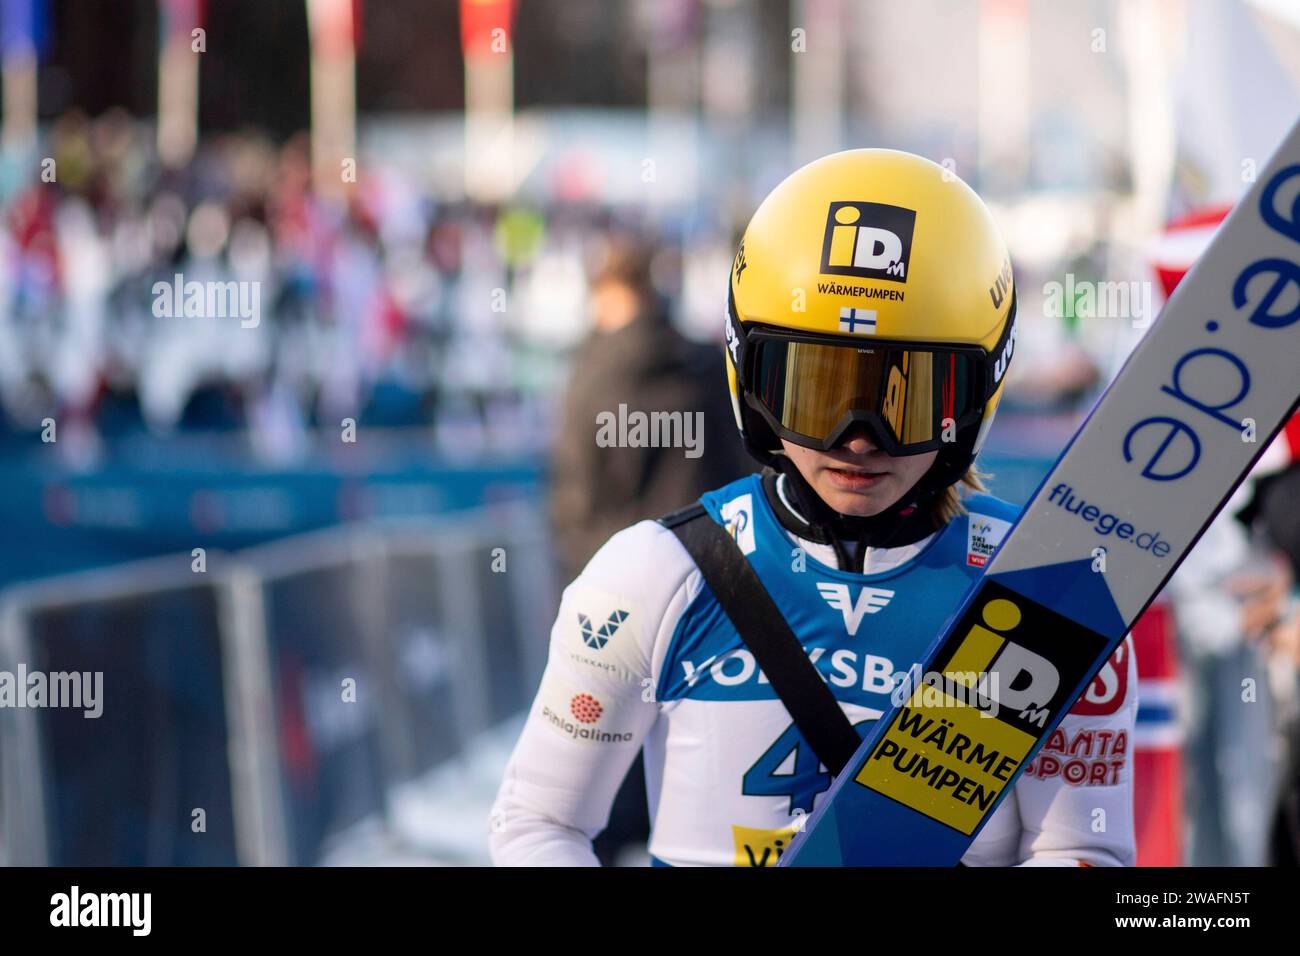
column 911, row 398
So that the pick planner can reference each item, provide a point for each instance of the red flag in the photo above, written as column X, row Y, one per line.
column 1183, row 242
column 334, row 25
column 478, row 20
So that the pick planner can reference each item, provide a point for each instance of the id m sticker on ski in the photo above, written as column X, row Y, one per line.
column 957, row 742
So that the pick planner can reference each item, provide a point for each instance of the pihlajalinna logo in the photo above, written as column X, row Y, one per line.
column 637, row 429
column 179, row 299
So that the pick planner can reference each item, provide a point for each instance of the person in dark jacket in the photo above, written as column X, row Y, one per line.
column 635, row 363
column 604, row 475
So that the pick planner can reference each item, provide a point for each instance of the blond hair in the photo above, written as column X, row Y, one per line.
column 950, row 503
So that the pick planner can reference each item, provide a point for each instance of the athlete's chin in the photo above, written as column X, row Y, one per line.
column 856, row 509
column 862, row 502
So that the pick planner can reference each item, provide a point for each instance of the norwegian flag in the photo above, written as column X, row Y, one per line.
column 1157, row 741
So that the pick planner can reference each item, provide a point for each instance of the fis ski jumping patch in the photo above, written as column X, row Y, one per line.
column 983, row 535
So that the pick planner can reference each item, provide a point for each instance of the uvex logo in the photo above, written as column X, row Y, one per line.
column 733, row 340
column 998, row 290
column 1004, row 360
column 869, row 601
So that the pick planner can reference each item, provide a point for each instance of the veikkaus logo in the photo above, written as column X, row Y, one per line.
column 599, row 637
column 868, row 240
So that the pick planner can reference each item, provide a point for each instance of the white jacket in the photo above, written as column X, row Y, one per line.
column 627, row 669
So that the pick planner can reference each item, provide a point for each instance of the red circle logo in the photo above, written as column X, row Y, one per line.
column 585, row 708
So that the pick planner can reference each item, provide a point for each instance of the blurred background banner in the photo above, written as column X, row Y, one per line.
column 308, row 309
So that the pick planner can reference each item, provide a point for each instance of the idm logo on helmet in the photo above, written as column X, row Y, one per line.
column 868, row 240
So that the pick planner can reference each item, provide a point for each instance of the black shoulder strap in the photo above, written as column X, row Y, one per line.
column 736, row 585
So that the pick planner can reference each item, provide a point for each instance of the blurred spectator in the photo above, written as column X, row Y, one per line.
column 1279, row 514
column 1281, row 522
column 1227, row 595
column 395, row 307
column 635, row 358
column 1284, row 833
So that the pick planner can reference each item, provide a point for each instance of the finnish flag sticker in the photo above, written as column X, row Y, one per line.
column 858, row 321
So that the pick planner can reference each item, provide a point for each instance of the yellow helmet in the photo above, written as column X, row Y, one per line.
column 871, row 287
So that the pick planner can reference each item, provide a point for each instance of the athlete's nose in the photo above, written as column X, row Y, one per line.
column 857, row 441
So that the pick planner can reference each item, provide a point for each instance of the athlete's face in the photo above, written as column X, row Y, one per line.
column 857, row 478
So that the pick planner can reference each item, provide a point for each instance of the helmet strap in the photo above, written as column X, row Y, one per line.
column 905, row 522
